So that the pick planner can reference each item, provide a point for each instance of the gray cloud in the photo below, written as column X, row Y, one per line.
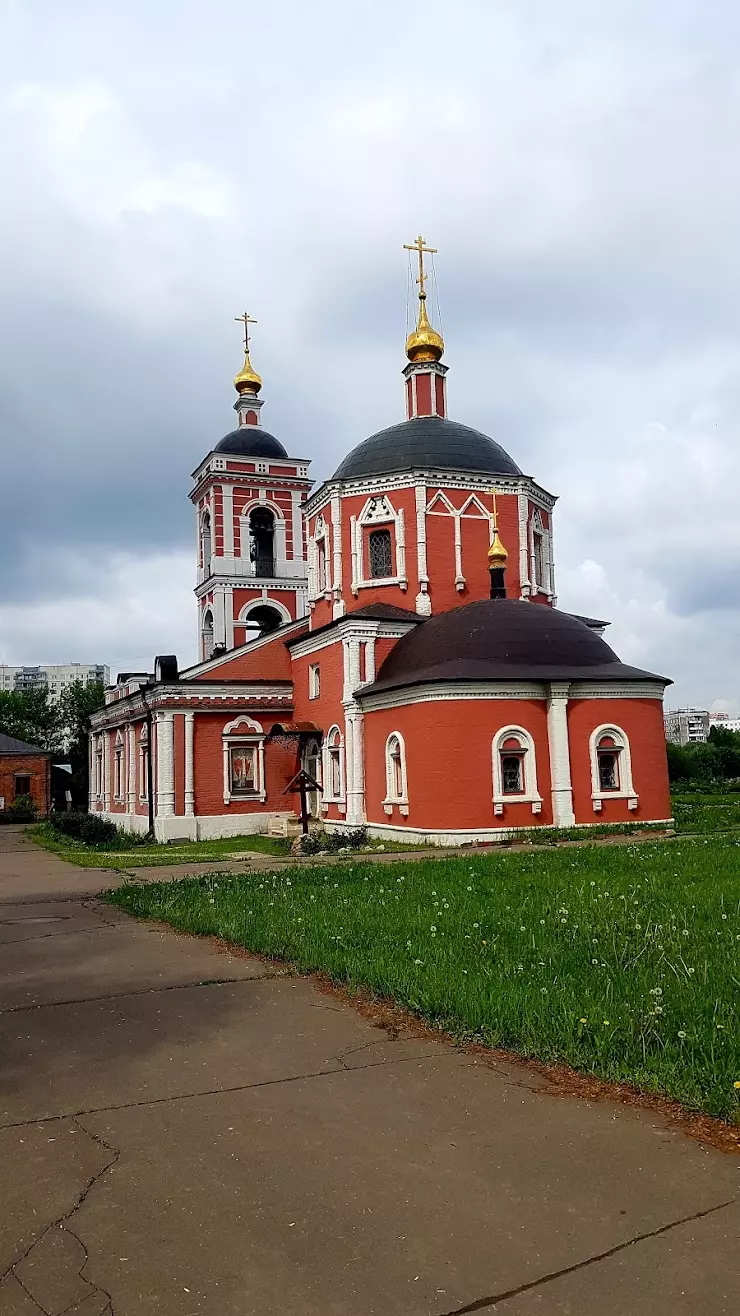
column 166, row 164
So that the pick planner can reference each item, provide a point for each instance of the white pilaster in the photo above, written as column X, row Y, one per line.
column 189, row 764
column 423, row 601
column 131, row 772
column 106, row 771
column 229, row 615
column 370, row 660
column 297, row 522
column 459, row 577
column 165, row 764
column 524, row 586
column 557, row 733
column 401, row 546
column 355, row 766
column 336, row 541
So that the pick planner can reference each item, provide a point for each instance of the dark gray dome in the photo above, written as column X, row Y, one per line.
column 251, row 441
column 502, row 639
column 427, row 441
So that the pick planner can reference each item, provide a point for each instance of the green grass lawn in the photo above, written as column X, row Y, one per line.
column 145, row 856
column 622, row 961
column 706, row 813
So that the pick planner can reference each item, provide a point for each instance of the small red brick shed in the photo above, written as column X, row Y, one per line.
column 24, row 770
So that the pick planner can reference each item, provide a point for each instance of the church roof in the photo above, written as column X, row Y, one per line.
column 502, row 639
column 423, row 443
column 251, row 441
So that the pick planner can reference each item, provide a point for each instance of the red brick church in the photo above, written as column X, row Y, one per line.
column 394, row 632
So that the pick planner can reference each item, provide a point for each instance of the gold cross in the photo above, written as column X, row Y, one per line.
column 492, row 492
column 420, row 246
column 246, row 320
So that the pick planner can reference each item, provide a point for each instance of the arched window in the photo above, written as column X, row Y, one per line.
column 380, row 553
column 395, row 773
column 334, row 766
column 205, row 542
column 262, row 542
column 611, row 767
column 514, row 770
column 312, row 765
column 207, row 634
column 260, row 621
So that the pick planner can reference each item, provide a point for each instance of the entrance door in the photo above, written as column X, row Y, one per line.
column 312, row 765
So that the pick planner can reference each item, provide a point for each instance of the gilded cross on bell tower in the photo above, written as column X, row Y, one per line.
column 247, row 381
column 424, row 344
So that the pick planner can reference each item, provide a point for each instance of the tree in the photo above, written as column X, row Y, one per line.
column 31, row 715
column 78, row 701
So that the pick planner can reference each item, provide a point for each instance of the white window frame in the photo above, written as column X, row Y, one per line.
column 624, row 765
column 205, row 632
column 377, row 514
column 334, row 745
column 320, row 536
column 244, row 731
column 536, row 527
column 144, row 763
column 530, row 794
column 99, row 775
column 314, row 680
column 392, row 798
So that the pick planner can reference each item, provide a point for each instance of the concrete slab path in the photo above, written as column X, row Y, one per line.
column 184, row 1130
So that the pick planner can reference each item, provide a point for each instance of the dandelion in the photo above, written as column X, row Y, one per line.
column 736, row 1085
column 682, row 1035
column 606, row 1022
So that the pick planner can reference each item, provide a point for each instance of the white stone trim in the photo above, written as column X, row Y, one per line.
column 451, row 836
column 165, row 793
column 131, row 769
column 336, row 536
column 243, row 730
column 626, row 789
column 391, row 795
column 297, row 523
column 376, row 486
column 363, row 627
column 106, row 770
column 227, row 512
column 530, row 794
column 525, row 585
column 260, row 603
column 378, row 513
column 432, row 691
column 559, row 745
column 618, row 690
column 189, row 764
column 354, row 764
column 327, row 749
column 423, row 601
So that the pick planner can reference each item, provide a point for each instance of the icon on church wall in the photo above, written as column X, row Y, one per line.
column 243, row 770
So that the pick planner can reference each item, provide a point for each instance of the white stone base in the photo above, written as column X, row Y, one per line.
column 176, row 827
column 481, row 835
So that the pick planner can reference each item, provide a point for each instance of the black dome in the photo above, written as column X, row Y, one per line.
column 251, row 441
column 427, row 441
column 502, row 639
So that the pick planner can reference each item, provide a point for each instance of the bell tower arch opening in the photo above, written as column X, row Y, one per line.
column 262, row 542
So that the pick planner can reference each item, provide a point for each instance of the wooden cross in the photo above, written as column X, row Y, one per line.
column 420, row 246
column 246, row 320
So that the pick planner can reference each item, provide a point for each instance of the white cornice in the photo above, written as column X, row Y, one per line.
column 617, row 690
column 199, row 696
column 359, row 628
column 432, row 692
column 369, row 486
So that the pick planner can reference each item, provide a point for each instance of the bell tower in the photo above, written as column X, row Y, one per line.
column 249, row 495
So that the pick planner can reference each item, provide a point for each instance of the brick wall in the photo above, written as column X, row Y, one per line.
column 35, row 766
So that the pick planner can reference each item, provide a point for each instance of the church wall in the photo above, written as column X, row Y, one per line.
column 642, row 720
column 179, row 727
column 266, row 662
column 209, row 771
column 328, row 710
column 449, row 763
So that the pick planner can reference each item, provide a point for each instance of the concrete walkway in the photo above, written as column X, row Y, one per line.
column 183, row 1131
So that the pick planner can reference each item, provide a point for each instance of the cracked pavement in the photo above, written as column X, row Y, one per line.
column 183, row 1130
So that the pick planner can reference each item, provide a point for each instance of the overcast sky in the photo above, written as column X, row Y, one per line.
column 167, row 163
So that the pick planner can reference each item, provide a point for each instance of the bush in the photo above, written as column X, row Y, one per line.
column 22, row 809
column 318, row 841
column 85, row 827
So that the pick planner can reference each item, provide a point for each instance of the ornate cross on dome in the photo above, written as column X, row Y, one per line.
column 420, row 246
column 246, row 320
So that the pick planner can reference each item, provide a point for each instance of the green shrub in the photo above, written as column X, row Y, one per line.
column 22, row 809
column 85, row 827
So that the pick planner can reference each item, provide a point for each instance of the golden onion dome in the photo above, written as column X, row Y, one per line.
column 497, row 554
column 424, row 343
column 248, row 381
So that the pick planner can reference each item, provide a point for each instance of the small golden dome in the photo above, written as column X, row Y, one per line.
column 248, row 381
column 424, row 343
column 497, row 554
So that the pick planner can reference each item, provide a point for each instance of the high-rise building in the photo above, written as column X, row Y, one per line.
column 687, row 726
column 54, row 677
